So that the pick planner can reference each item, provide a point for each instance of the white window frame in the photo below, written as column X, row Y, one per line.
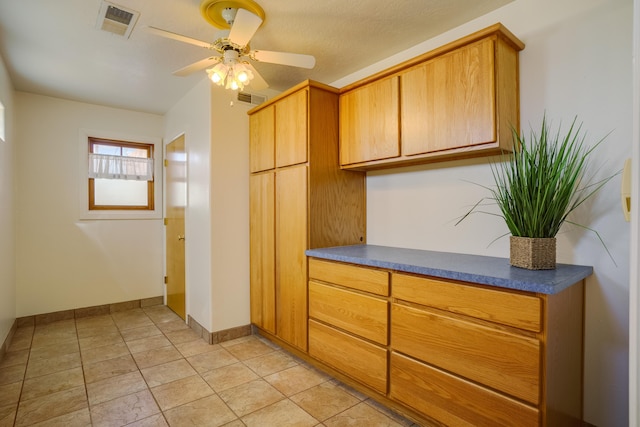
column 83, row 177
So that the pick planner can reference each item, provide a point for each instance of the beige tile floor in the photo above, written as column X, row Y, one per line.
column 145, row 367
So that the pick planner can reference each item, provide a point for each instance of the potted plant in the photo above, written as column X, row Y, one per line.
column 537, row 187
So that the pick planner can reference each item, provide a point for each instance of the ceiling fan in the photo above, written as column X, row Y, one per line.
column 231, row 67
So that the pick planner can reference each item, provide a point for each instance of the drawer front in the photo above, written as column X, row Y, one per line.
column 360, row 314
column 351, row 276
column 452, row 400
column 507, row 308
column 498, row 359
column 354, row 357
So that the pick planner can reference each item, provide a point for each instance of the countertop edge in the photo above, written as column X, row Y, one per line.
column 540, row 281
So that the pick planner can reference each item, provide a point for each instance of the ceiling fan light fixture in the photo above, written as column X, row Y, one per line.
column 231, row 74
column 242, row 18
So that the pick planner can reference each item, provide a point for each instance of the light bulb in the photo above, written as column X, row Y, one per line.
column 218, row 73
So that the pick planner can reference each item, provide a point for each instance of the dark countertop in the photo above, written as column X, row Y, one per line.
column 468, row 268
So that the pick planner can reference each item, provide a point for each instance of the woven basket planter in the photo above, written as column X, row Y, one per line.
column 533, row 253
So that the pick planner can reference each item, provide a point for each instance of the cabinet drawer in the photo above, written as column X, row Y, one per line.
column 498, row 359
column 356, row 358
column 452, row 400
column 360, row 314
column 507, row 308
column 351, row 276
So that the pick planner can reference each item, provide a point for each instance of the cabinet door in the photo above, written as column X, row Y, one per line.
column 369, row 122
column 291, row 261
column 291, row 129
column 262, row 247
column 449, row 101
column 262, row 140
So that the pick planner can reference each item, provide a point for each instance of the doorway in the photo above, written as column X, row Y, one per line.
column 176, row 203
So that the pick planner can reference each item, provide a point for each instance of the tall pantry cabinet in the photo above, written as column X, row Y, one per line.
column 299, row 199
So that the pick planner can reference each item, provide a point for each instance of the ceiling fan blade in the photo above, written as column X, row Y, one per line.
column 284, row 58
column 257, row 83
column 178, row 37
column 197, row 66
column 244, row 27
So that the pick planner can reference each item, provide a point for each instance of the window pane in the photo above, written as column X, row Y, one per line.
column 119, row 192
column 134, row 152
column 113, row 150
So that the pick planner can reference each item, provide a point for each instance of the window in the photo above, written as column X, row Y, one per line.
column 120, row 175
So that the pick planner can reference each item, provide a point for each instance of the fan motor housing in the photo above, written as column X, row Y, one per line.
column 212, row 10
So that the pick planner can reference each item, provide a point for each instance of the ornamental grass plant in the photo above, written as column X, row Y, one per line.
column 543, row 181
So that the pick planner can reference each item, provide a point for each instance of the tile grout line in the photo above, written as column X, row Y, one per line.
column 84, row 378
column 24, row 376
column 140, row 369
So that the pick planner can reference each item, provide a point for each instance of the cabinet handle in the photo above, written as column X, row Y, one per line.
column 180, row 237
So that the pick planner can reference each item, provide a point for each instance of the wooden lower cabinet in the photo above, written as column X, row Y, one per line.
column 448, row 352
column 453, row 400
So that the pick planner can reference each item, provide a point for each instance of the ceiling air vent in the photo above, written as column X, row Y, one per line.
column 116, row 19
column 251, row 98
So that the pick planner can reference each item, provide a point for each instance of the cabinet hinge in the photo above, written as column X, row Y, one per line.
column 166, row 162
column 165, row 280
column 165, row 221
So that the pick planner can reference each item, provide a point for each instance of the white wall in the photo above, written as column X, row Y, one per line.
column 577, row 61
column 192, row 116
column 7, row 200
column 229, row 210
column 217, row 216
column 63, row 262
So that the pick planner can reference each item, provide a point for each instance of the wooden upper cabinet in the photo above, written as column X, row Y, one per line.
column 291, row 129
column 278, row 135
column 262, row 139
column 460, row 100
column 449, row 101
column 369, row 122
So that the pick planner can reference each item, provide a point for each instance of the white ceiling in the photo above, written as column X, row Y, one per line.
column 52, row 47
